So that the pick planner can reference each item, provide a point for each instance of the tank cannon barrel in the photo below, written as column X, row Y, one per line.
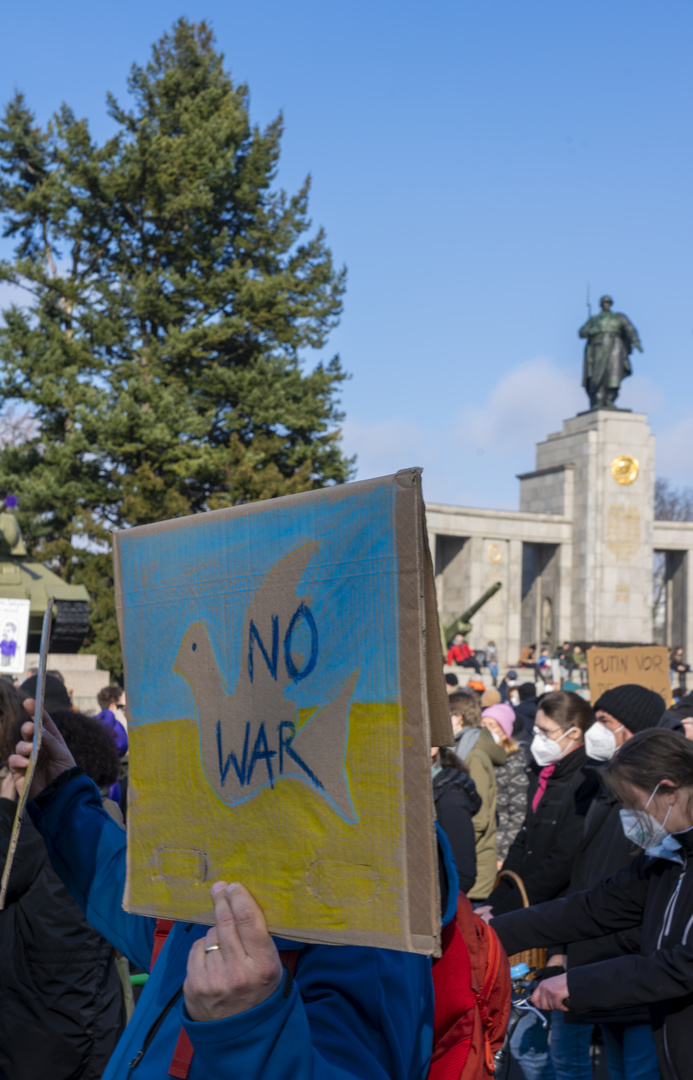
column 462, row 625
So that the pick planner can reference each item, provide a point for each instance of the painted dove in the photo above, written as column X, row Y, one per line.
column 248, row 739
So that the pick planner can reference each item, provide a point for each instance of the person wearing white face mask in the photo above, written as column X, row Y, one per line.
column 604, row 849
column 619, row 714
column 652, row 777
column 543, row 850
column 559, row 795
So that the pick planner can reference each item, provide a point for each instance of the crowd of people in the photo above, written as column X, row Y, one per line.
column 569, row 826
column 573, row 833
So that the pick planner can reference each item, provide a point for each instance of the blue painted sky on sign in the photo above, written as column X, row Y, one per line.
column 208, row 569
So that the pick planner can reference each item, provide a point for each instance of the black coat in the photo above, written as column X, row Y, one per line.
column 604, row 850
column 525, row 715
column 544, row 849
column 61, row 1014
column 457, row 800
column 655, row 895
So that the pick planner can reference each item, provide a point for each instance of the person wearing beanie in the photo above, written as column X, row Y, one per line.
column 512, row 778
column 630, row 1050
column 628, row 709
column 56, row 698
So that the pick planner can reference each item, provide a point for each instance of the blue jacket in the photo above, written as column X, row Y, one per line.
column 351, row 1012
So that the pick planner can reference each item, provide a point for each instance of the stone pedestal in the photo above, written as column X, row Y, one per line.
column 599, row 472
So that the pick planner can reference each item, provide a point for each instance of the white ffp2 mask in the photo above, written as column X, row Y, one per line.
column 600, row 741
column 546, row 751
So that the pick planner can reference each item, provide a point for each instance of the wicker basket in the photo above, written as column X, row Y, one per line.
column 533, row 958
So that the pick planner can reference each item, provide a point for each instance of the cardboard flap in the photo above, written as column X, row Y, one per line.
column 438, row 707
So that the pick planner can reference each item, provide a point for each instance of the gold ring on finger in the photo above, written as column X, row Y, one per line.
column 211, row 948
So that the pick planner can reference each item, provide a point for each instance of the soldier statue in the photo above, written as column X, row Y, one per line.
column 611, row 337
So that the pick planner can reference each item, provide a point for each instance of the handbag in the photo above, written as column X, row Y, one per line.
column 533, row 958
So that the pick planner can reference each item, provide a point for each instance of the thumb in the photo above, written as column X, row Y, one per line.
column 46, row 722
column 250, row 921
column 53, row 745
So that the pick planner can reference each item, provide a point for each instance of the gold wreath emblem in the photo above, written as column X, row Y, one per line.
column 495, row 553
column 625, row 469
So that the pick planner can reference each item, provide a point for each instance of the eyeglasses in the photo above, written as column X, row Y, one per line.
column 541, row 731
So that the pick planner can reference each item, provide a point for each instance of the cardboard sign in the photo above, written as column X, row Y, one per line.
column 644, row 665
column 14, row 631
column 284, row 687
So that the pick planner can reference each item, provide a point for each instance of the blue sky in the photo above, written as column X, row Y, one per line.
column 475, row 166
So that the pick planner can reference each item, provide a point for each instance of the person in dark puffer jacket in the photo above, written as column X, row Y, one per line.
column 680, row 717
column 560, row 794
column 652, row 775
column 62, row 1004
column 457, row 801
column 619, row 714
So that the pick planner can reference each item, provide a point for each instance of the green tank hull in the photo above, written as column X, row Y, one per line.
column 24, row 579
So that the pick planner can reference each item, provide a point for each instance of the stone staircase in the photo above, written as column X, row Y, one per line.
column 82, row 677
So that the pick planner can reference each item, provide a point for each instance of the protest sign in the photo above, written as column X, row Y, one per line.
column 644, row 665
column 14, row 631
column 284, row 686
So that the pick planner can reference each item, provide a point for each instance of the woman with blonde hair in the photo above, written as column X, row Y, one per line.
column 512, row 779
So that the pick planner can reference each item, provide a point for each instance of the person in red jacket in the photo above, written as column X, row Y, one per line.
column 461, row 654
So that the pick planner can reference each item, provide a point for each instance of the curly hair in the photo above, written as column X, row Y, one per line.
column 110, row 695
column 91, row 746
column 467, row 706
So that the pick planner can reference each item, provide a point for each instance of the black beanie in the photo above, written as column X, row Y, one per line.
column 56, row 698
column 636, row 707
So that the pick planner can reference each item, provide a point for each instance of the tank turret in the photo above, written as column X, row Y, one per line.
column 23, row 579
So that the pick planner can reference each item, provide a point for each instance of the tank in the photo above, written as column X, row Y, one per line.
column 22, row 579
column 461, row 624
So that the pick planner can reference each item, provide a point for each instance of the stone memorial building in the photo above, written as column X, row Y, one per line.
column 576, row 560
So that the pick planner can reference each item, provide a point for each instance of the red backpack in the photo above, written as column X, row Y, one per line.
column 471, row 984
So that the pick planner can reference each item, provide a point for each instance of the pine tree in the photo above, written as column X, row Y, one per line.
column 174, row 293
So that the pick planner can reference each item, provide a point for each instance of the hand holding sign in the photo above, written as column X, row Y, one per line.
column 53, row 757
column 242, row 967
column 26, row 761
column 7, row 788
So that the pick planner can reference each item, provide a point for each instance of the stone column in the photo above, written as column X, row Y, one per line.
column 514, row 601
column 612, row 452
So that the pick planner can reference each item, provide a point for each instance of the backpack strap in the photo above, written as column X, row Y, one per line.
column 161, row 931
column 289, row 959
column 182, row 1056
column 184, row 1051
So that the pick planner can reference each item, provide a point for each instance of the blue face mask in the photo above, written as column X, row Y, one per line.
column 668, row 849
column 649, row 834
